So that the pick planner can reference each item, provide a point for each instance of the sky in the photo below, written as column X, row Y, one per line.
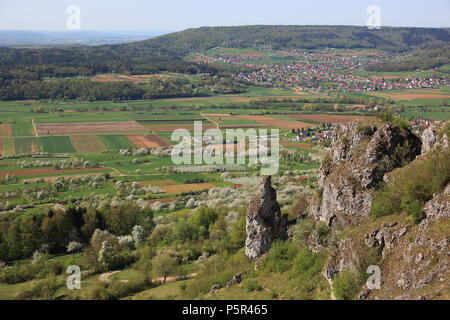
column 173, row 15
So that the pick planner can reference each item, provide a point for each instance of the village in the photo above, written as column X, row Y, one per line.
column 321, row 71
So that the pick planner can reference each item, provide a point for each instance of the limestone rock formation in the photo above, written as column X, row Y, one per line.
column 435, row 136
column 439, row 206
column 264, row 222
column 359, row 156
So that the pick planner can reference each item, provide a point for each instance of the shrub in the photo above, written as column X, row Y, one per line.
column 345, row 285
column 302, row 230
column 410, row 187
column 413, row 208
column 323, row 233
column 280, row 257
column 252, row 285
column 308, row 268
column 381, row 206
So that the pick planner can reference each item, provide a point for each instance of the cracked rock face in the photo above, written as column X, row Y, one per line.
column 264, row 222
column 431, row 138
column 359, row 156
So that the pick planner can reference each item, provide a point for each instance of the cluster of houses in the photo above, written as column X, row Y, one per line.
column 421, row 122
column 315, row 71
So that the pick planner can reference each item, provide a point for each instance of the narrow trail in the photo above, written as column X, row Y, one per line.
column 216, row 123
column 105, row 277
column 34, row 128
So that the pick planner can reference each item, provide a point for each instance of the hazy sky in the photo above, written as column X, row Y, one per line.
column 182, row 14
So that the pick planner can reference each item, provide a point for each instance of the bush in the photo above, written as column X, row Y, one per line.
column 302, row 230
column 381, row 206
column 308, row 268
column 345, row 285
column 413, row 208
column 410, row 187
column 252, row 285
column 218, row 269
column 323, row 233
column 280, row 257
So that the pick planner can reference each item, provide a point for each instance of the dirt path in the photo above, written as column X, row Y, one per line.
column 216, row 123
column 105, row 277
column 34, row 128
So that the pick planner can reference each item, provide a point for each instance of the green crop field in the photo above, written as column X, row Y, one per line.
column 116, row 142
column 27, row 145
column 8, row 147
column 23, row 129
column 57, row 145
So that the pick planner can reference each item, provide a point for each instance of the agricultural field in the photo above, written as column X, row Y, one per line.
column 87, row 143
column 88, row 128
column 328, row 118
column 58, row 144
column 22, row 129
column 148, row 141
column 5, row 130
column 116, row 142
column 27, row 145
column 277, row 123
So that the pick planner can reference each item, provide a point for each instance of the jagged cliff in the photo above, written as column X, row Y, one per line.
column 409, row 244
column 359, row 156
column 413, row 258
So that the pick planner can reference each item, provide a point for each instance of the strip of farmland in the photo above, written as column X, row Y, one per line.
column 285, row 124
column 148, row 141
column 27, row 145
column 328, row 118
column 5, row 130
column 57, row 145
column 88, row 127
column 47, row 171
column 116, row 142
column 86, row 144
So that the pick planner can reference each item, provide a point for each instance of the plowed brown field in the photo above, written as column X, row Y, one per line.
column 148, row 141
column 285, row 124
column 180, row 188
column 5, row 130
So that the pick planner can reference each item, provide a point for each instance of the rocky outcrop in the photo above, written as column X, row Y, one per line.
column 264, row 222
column 435, row 136
column 359, row 156
column 439, row 206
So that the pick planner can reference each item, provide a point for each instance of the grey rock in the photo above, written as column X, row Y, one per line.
column 264, row 222
column 215, row 287
column 431, row 138
column 358, row 159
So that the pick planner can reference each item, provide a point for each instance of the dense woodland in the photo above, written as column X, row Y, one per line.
column 419, row 60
